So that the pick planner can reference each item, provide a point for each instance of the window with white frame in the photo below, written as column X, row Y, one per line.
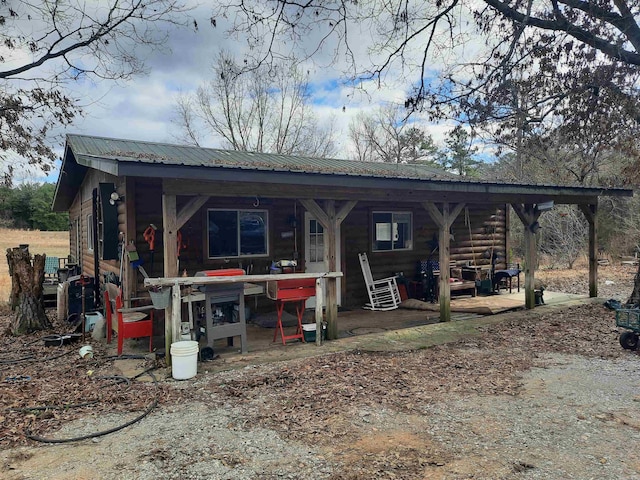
column 392, row 231
column 237, row 233
column 90, row 232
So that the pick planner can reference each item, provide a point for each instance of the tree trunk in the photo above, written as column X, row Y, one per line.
column 27, row 291
column 15, row 286
column 634, row 299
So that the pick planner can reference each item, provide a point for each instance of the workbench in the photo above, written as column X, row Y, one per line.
column 218, row 295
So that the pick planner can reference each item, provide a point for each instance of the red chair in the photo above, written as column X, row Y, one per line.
column 133, row 322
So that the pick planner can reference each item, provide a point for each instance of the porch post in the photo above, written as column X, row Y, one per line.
column 330, row 255
column 130, row 275
column 330, row 220
column 529, row 217
column 589, row 212
column 172, row 316
column 444, row 220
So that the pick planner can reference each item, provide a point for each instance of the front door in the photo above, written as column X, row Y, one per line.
column 314, row 260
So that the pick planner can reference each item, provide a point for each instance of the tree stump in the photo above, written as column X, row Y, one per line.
column 27, row 299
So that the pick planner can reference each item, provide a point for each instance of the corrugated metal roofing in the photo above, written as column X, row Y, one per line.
column 168, row 154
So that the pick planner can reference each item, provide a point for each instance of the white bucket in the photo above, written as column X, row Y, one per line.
column 90, row 320
column 184, row 359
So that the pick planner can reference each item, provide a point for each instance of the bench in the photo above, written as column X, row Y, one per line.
column 463, row 286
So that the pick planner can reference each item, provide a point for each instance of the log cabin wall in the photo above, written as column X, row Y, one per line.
column 148, row 210
column 488, row 231
column 80, row 215
column 486, row 224
column 194, row 254
column 478, row 233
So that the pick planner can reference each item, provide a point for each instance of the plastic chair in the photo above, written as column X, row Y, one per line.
column 133, row 322
column 383, row 293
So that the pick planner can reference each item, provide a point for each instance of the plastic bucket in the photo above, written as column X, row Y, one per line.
column 184, row 359
column 90, row 320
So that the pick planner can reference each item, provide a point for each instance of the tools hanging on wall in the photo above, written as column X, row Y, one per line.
column 150, row 237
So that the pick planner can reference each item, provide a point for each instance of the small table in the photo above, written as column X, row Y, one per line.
column 290, row 291
column 506, row 276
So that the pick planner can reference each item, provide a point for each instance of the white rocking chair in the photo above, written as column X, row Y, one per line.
column 383, row 293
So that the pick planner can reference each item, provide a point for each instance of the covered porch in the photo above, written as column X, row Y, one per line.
column 367, row 330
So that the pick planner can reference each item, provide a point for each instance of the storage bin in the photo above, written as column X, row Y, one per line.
column 309, row 332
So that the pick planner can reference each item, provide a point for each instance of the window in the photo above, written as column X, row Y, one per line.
column 237, row 233
column 316, row 241
column 392, row 231
column 90, row 232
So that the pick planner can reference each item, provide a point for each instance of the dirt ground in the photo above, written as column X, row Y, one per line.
column 542, row 394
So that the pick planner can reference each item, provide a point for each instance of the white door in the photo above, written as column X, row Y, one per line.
column 314, row 252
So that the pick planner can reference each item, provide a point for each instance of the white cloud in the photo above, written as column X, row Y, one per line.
column 142, row 108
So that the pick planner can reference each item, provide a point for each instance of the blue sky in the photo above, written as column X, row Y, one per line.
column 143, row 108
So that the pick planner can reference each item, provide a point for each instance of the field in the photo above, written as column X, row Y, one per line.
column 54, row 244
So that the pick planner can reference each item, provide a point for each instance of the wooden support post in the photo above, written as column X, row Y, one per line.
column 444, row 220
column 176, row 307
column 319, row 297
column 530, row 261
column 130, row 287
column 331, row 284
column 170, row 254
column 444, row 245
column 330, row 221
column 529, row 217
column 589, row 212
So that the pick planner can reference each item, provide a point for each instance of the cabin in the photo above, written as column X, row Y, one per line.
column 184, row 209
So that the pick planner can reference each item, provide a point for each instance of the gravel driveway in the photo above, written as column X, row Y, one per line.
column 546, row 394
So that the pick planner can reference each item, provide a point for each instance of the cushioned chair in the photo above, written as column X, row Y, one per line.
column 132, row 322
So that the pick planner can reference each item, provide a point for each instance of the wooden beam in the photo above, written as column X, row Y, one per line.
column 519, row 209
column 170, row 256
column 331, row 284
column 318, row 311
column 434, row 213
column 528, row 216
column 444, row 220
column 316, row 210
column 262, row 278
column 455, row 212
column 191, row 207
column 444, row 243
column 345, row 210
column 589, row 212
column 130, row 274
column 402, row 190
column 330, row 221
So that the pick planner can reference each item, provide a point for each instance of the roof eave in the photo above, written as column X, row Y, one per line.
column 137, row 169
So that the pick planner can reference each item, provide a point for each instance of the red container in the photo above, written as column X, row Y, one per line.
column 222, row 272
column 291, row 290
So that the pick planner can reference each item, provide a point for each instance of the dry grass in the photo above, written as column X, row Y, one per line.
column 54, row 244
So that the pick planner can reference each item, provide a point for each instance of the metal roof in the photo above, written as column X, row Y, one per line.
column 133, row 158
column 88, row 147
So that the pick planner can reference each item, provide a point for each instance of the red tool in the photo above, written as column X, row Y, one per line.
column 150, row 237
column 181, row 245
